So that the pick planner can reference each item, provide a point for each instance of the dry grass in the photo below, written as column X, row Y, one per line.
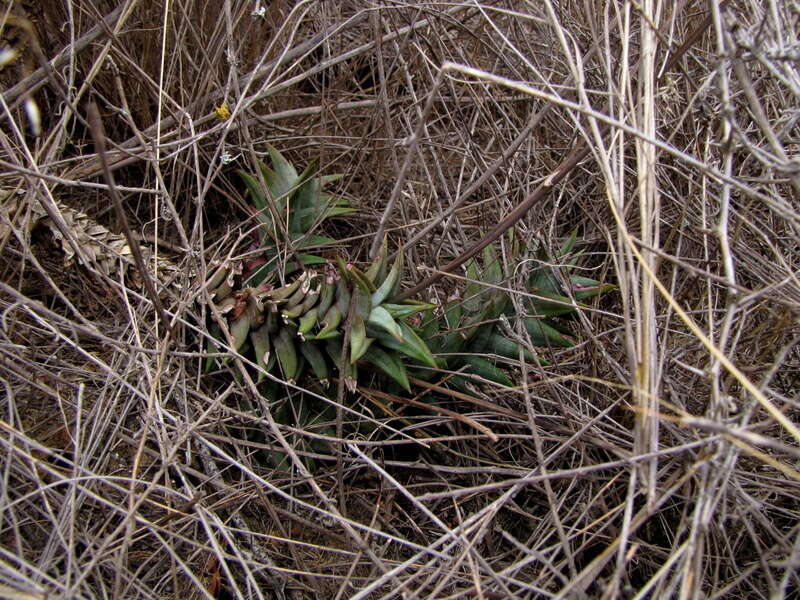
column 658, row 458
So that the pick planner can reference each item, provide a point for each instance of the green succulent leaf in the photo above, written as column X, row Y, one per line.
column 326, row 179
column 479, row 340
column 239, row 330
column 389, row 281
column 430, row 323
column 377, row 270
column 470, row 325
column 390, row 364
column 492, row 269
column 544, row 281
column 555, row 306
column 498, row 303
column 543, row 334
column 473, row 290
column 451, row 343
column 283, row 168
column 487, row 369
column 584, row 287
column 412, row 345
column 316, row 360
column 507, row 348
column 257, row 194
column 307, row 260
column 402, row 311
column 260, row 339
column 277, row 185
column 315, row 206
column 381, row 317
column 453, row 312
column 305, row 199
column 304, row 240
column 335, row 211
column 569, row 243
column 213, row 347
column 308, row 173
column 287, row 354
column 359, row 342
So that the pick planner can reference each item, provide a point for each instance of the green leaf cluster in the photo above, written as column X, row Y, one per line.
column 290, row 206
column 337, row 318
column 467, row 335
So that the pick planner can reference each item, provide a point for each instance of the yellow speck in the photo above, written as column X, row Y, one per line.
column 223, row 112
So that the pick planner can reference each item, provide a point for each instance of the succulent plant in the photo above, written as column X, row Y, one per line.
column 334, row 317
column 300, row 326
column 468, row 330
column 289, row 209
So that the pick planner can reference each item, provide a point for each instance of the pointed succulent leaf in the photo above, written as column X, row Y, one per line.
column 543, row 334
column 324, row 209
column 569, row 243
column 362, row 304
column 342, row 295
column 479, row 341
column 473, row 290
column 361, row 280
column 239, row 330
column 309, row 201
column 389, row 363
column 277, row 185
column 326, row 179
column 412, row 345
column 283, row 167
column 584, row 287
column 470, row 325
column 401, row 311
column 311, row 241
column 430, row 323
column 498, row 302
column 561, row 328
column 359, row 342
column 336, row 211
column 305, row 199
column 213, row 347
column 333, row 347
column 380, row 317
column 330, row 321
column 307, row 322
column 451, row 343
column 308, row 173
column 543, row 279
column 413, row 302
column 552, row 305
column 487, row 369
column 399, row 263
column 287, row 354
column 377, row 270
column 260, row 339
column 508, row 348
column 316, row 360
column 452, row 314
column 492, row 269
column 256, row 193
column 389, row 283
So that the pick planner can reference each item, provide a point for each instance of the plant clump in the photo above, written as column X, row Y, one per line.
column 337, row 316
